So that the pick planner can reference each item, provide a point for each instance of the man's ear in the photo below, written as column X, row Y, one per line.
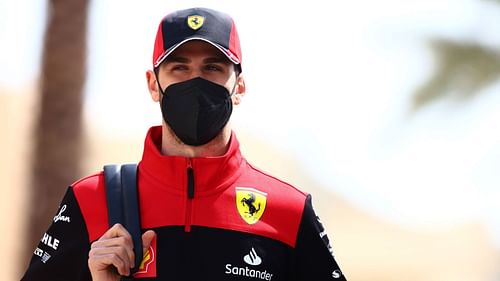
column 240, row 90
column 152, row 86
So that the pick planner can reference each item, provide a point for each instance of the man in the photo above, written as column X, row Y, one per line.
column 205, row 212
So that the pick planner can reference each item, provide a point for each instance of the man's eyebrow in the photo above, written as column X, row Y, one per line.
column 216, row 60
column 177, row 59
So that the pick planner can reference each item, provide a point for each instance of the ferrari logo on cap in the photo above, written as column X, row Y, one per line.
column 251, row 204
column 195, row 21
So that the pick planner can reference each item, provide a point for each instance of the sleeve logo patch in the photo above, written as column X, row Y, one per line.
column 44, row 256
column 148, row 265
column 50, row 241
column 250, row 203
column 60, row 217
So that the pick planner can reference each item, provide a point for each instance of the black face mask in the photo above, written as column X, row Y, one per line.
column 196, row 110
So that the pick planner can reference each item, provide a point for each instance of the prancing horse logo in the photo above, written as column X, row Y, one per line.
column 195, row 21
column 250, row 203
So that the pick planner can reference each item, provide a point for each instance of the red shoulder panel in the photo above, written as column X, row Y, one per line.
column 91, row 197
column 282, row 207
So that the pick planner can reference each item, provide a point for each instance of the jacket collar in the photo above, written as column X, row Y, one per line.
column 211, row 174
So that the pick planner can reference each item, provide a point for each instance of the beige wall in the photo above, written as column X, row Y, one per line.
column 367, row 247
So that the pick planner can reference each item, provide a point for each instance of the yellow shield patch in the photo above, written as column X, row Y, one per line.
column 147, row 267
column 195, row 21
column 251, row 203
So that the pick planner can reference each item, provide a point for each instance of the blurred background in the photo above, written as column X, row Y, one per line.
column 388, row 112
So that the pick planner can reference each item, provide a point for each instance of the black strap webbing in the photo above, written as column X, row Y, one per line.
column 123, row 203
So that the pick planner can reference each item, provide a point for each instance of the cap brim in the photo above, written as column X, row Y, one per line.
column 223, row 50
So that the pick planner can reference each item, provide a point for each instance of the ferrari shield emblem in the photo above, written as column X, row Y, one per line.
column 251, row 204
column 147, row 268
column 195, row 21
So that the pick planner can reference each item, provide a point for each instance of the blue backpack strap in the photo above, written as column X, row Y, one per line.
column 123, row 203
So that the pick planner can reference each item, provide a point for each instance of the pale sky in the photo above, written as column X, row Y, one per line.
column 328, row 82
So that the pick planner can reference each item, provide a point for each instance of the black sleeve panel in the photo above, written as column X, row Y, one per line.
column 313, row 259
column 63, row 250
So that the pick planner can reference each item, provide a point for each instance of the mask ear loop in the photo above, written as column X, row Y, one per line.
column 234, row 87
column 158, row 81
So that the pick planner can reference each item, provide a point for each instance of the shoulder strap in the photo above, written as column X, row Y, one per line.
column 123, row 203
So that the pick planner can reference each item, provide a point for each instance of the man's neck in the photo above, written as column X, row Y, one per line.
column 172, row 146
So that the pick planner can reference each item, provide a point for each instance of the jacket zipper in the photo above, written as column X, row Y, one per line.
column 190, row 196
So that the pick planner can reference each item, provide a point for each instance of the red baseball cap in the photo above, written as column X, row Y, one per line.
column 204, row 24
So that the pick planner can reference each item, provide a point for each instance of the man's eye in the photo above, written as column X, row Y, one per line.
column 179, row 67
column 213, row 67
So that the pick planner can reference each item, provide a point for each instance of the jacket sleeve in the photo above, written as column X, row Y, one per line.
column 314, row 259
column 63, row 250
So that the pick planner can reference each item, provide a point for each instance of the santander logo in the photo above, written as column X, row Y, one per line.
column 252, row 258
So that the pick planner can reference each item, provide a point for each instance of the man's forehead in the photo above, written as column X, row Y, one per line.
column 197, row 48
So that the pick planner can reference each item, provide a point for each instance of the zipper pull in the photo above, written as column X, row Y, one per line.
column 190, row 178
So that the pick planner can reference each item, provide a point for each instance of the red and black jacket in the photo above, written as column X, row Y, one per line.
column 216, row 218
